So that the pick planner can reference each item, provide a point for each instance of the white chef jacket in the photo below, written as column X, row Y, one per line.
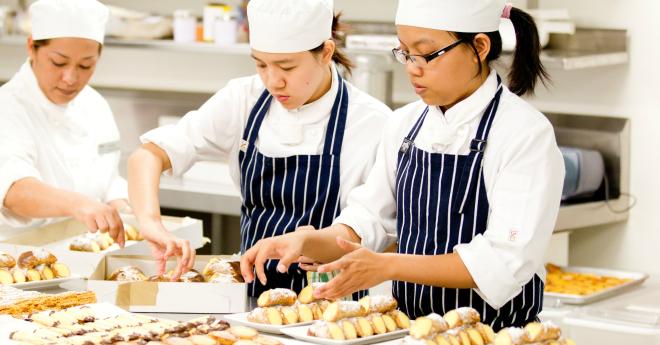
column 523, row 172
column 73, row 147
column 214, row 131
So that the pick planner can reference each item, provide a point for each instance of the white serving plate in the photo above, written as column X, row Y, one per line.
column 46, row 283
column 300, row 333
column 241, row 319
column 637, row 278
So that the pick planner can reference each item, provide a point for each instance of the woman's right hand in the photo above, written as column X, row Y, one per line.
column 165, row 245
column 287, row 248
column 98, row 216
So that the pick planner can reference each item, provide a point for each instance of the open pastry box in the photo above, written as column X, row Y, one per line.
column 58, row 236
column 166, row 297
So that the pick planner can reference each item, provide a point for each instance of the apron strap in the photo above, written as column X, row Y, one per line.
column 334, row 136
column 257, row 115
column 472, row 168
column 409, row 140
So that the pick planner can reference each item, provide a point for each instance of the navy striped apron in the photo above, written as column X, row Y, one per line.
column 281, row 194
column 442, row 202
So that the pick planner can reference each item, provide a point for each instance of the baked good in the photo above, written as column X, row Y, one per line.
column 306, row 295
column 128, row 274
column 192, row 276
column 343, row 309
column 378, row 304
column 219, row 270
column 7, row 261
column 131, row 233
column 85, row 243
column 33, row 258
column 19, row 275
column 6, row 277
column 222, row 278
column 275, row 297
column 60, row 270
column 426, row 326
column 462, row 316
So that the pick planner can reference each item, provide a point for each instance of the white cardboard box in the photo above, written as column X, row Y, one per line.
column 165, row 297
column 57, row 237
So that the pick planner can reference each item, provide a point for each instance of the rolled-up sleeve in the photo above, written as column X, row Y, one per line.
column 206, row 134
column 524, row 201
column 371, row 207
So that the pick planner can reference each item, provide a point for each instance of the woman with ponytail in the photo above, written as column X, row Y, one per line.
column 467, row 181
column 297, row 137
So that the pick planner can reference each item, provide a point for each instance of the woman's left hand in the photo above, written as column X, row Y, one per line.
column 360, row 269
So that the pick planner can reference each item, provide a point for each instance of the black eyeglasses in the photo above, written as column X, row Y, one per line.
column 421, row 60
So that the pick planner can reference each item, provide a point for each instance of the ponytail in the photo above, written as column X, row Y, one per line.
column 526, row 68
column 339, row 57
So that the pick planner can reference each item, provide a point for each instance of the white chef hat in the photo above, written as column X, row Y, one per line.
column 68, row 18
column 451, row 15
column 289, row 26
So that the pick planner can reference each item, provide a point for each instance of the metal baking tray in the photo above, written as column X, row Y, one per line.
column 557, row 299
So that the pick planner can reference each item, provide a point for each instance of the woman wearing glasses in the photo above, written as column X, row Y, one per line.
column 467, row 180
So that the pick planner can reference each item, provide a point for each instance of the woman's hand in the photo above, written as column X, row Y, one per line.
column 165, row 245
column 101, row 217
column 360, row 269
column 287, row 248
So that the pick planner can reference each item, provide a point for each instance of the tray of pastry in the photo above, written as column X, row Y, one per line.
column 584, row 285
column 32, row 269
column 464, row 326
column 280, row 309
column 104, row 323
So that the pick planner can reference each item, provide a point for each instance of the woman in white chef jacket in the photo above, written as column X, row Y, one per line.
column 467, row 180
column 60, row 145
column 297, row 136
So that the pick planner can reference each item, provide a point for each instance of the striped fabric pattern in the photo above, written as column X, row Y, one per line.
column 442, row 202
column 284, row 193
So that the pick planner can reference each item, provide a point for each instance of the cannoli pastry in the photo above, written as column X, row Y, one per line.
column 326, row 330
column 18, row 275
column 159, row 278
column 85, row 243
column 127, row 274
column 378, row 304
column 222, row 278
column 306, row 295
column 131, row 233
column 401, row 319
column 218, row 266
column 462, row 316
column 192, row 276
column 537, row 332
column 6, row 277
column 45, row 272
column 33, row 258
column 343, row 309
column 60, row 270
column 277, row 296
column 7, row 261
column 425, row 326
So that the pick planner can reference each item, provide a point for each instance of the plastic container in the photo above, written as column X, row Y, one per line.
column 225, row 30
column 212, row 12
column 185, row 26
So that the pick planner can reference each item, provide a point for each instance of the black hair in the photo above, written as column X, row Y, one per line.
column 338, row 56
column 526, row 68
column 42, row 43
